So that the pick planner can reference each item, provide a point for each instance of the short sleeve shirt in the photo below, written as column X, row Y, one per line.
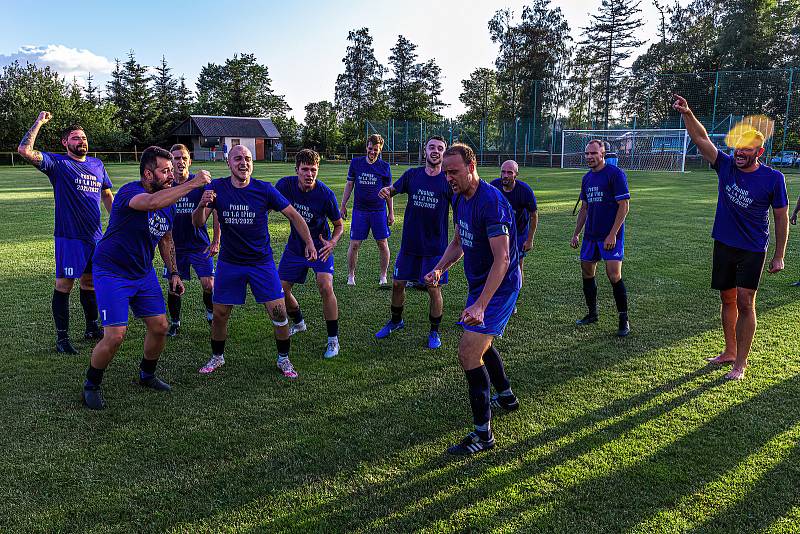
column 522, row 201
column 368, row 179
column 316, row 206
column 602, row 191
column 425, row 224
column 187, row 237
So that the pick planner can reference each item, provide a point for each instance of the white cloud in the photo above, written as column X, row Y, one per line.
column 68, row 62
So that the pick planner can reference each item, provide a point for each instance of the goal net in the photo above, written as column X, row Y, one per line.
column 642, row 150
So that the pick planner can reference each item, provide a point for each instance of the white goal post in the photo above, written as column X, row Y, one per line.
column 641, row 150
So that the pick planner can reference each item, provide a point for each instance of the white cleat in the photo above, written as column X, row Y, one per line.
column 332, row 349
column 297, row 327
column 351, row 280
column 382, row 281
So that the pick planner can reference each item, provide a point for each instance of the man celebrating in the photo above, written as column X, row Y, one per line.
column 141, row 217
column 192, row 246
column 79, row 183
column 316, row 203
column 245, row 256
column 367, row 176
column 747, row 189
column 523, row 202
column 424, row 236
column 485, row 234
column 604, row 204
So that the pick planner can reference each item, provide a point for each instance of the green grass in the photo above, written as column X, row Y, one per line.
column 614, row 435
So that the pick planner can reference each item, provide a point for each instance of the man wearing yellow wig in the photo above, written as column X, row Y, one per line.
column 747, row 189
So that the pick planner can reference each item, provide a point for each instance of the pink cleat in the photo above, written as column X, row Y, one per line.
column 213, row 364
column 287, row 368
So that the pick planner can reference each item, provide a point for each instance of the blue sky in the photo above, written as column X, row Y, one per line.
column 301, row 42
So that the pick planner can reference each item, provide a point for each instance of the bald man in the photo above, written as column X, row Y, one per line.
column 523, row 201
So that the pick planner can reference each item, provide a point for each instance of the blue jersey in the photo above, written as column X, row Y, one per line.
column 602, row 191
column 242, row 215
column 368, row 180
column 126, row 249
column 76, row 188
column 522, row 201
column 315, row 206
column 425, row 220
column 187, row 237
column 742, row 219
column 487, row 214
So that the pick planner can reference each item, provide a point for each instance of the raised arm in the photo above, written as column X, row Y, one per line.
column 25, row 148
column 302, row 228
column 696, row 130
column 167, row 197
column 204, row 209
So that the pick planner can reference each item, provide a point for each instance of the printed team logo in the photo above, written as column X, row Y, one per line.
column 157, row 224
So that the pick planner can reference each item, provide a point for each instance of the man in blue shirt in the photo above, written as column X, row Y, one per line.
column 80, row 183
column 605, row 202
column 523, row 202
column 193, row 247
column 485, row 235
column 245, row 256
column 141, row 218
column 424, row 236
column 316, row 203
column 747, row 189
column 366, row 176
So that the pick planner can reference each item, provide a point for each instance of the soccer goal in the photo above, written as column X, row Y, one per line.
column 641, row 150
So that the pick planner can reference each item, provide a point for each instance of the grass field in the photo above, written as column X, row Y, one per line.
column 634, row 435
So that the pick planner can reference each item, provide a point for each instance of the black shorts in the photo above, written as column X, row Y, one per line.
column 736, row 267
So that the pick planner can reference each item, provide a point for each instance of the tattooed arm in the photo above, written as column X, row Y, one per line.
column 166, row 247
column 25, row 147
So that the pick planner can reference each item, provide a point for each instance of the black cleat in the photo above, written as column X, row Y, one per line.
column 624, row 328
column 154, row 383
column 587, row 319
column 63, row 346
column 795, row 284
column 508, row 403
column 93, row 398
column 174, row 328
column 471, row 444
column 94, row 332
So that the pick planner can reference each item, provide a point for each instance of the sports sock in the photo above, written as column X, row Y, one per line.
column 479, row 392
column 494, row 366
column 61, row 313
column 435, row 322
column 89, row 303
column 209, row 304
column 147, row 368
column 283, row 347
column 397, row 314
column 590, row 292
column 217, row 347
column 297, row 316
column 333, row 327
column 94, row 376
column 620, row 296
column 174, row 306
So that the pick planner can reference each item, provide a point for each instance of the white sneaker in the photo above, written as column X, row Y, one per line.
column 213, row 364
column 297, row 327
column 383, row 281
column 287, row 368
column 351, row 280
column 333, row 347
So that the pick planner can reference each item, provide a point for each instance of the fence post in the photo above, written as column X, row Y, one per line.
column 788, row 101
column 12, row 159
column 714, row 108
column 516, row 126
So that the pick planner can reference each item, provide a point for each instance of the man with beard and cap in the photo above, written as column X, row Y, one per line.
column 605, row 201
column 193, row 247
column 141, row 218
column 80, row 183
column 424, row 236
column 245, row 257
column 747, row 189
column 523, row 202
column 317, row 204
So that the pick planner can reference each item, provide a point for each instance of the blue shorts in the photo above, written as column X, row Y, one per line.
column 364, row 221
column 294, row 268
column 73, row 257
column 594, row 251
column 202, row 263
column 496, row 315
column 230, row 284
column 414, row 268
column 115, row 294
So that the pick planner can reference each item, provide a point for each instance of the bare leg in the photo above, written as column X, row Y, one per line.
column 219, row 325
column 398, row 292
column 745, row 330
column 730, row 316
column 330, row 306
column 156, row 336
column 291, row 302
column 107, row 347
column 383, row 252
column 352, row 260
column 436, row 301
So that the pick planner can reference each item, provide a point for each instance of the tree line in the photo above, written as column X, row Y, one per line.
column 540, row 71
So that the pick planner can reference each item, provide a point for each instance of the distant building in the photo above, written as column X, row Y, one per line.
column 206, row 134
